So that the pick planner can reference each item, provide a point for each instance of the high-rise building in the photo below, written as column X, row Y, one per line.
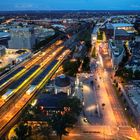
column 116, row 51
column 22, row 38
column 2, row 50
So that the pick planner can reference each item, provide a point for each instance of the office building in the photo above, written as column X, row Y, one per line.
column 2, row 50
column 116, row 52
column 22, row 38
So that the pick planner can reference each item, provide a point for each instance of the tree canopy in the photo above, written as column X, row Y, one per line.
column 62, row 121
column 71, row 67
column 22, row 131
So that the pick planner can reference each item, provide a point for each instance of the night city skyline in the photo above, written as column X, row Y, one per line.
column 70, row 70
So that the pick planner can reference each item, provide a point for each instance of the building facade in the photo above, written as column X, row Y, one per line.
column 4, row 38
column 22, row 38
column 116, row 52
column 62, row 84
column 2, row 50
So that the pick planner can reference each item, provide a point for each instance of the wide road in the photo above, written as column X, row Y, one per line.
column 105, row 72
column 110, row 122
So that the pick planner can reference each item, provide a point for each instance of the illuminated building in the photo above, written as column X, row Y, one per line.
column 2, row 50
column 116, row 51
column 62, row 84
column 22, row 38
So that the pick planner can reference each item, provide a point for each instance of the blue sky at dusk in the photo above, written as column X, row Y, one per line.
column 69, row 5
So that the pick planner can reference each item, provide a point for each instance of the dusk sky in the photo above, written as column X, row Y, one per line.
column 70, row 5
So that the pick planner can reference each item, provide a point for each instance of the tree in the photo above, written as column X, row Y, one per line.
column 21, row 25
column 31, row 113
column 125, row 73
column 21, row 131
column 67, row 118
column 86, row 37
column 45, row 130
column 74, row 103
column 86, row 64
column 125, row 57
column 137, row 74
column 71, row 67
column 60, row 123
column 26, row 115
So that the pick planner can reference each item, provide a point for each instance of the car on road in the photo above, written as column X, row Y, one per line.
column 103, row 104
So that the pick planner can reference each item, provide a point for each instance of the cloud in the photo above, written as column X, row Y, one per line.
column 24, row 6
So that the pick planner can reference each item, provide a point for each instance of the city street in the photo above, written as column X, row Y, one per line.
column 94, row 122
column 118, row 111
column 103, row 116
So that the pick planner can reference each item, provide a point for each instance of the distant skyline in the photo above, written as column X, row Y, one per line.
column 12, row 5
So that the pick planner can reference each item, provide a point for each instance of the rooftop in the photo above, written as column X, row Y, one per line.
column 25, row 29
column 121, row 32
column 117, row 47
column 51, row 100
column 133, row 90
column 115, row 25
column 62, row 81
column 4, row 34
column 58, row 25
column 109, row 26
